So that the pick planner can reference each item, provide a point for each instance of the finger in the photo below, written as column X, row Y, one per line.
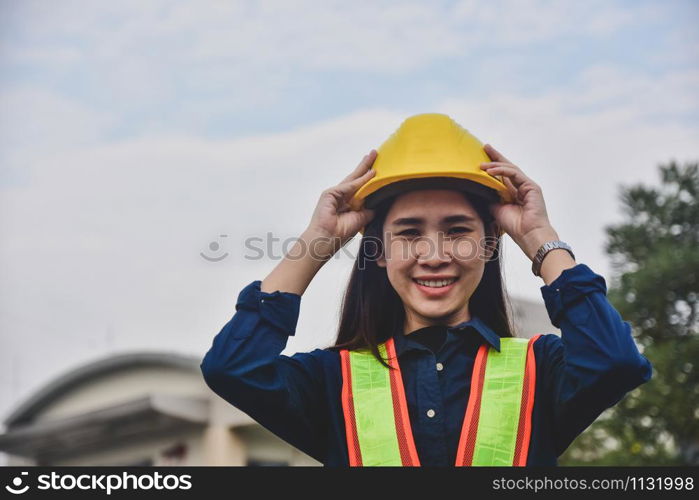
column 494, row 154
column 357, row 170
column 511, row 188
column 363, row 165
column 348, row 188
column 359, row 218
column 513, row 173
column 364, row 215
column 487, row 166
column 515, row 196
column 520, row 183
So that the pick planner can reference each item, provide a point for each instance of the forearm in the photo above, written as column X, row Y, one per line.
column 555, row 261
column 299, row 266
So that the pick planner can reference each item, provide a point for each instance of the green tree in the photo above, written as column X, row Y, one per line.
column 655, row 287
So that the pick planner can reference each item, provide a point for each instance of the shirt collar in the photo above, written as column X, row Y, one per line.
column 487, row 334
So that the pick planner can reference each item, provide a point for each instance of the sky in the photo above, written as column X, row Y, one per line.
column 134, row 135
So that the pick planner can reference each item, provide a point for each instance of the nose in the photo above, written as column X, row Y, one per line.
column 430, row 251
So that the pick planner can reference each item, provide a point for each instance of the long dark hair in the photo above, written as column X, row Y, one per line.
column 372, row 311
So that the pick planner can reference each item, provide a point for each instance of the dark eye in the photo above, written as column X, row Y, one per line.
column 459, row 230
column 409, row 232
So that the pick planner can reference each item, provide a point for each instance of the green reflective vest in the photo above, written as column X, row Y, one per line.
column 496, row 427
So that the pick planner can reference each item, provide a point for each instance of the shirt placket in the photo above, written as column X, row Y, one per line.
column 430, row 405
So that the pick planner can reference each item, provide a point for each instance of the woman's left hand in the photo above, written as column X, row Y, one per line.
column 525, row 219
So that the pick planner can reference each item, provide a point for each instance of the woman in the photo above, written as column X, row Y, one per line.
column 424, row 337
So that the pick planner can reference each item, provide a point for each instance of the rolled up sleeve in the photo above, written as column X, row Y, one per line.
column 595, row 362
column 245, row 367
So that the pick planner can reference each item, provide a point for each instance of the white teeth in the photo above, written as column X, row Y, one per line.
column 436, row 283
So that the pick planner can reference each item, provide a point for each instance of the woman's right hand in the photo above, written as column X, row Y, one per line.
column 332, row 218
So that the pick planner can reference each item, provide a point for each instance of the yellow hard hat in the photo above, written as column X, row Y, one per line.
column 430, row 150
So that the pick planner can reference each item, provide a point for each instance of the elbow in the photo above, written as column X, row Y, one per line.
column 631, row 371
column 251, row 387
column 217, row 375
column 625, row 362
column 225, row 384
column 224, row 363
column 235, row 379
column 211, row 372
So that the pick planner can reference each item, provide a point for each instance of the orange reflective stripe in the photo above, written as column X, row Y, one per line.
column 406, row 443
column 467, row 441
column 355, row 456
column 525, row 418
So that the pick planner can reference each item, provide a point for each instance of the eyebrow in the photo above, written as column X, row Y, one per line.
column 416, row 221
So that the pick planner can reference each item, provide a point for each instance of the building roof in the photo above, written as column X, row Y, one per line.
column 29, row 408
column 146, row 416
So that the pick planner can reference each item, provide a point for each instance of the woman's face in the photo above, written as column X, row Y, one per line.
column 435, row 255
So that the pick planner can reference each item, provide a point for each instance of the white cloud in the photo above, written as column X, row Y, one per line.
column 34, row 118
column 40, row 56
column 511, row 22
column 36, row 123
column 165, row 66
column 381, row 37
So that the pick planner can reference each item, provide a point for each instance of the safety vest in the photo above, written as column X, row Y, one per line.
column 496, row 428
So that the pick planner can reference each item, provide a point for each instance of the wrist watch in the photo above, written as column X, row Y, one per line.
column 546, row 248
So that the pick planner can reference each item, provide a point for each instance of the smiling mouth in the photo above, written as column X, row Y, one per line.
column 436, row 283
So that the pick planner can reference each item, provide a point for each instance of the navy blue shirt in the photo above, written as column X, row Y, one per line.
column 588, row 368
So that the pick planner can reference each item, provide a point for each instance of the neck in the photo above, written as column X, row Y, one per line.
column 415, row 321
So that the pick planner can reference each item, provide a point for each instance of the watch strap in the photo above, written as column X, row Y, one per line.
column 546, row 248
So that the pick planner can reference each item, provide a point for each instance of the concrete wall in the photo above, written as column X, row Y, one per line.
column 124, row 385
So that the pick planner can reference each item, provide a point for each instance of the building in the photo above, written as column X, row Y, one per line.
column 138, row 409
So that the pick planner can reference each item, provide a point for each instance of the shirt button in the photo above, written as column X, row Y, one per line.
column 440, row 367
column 430, row 413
